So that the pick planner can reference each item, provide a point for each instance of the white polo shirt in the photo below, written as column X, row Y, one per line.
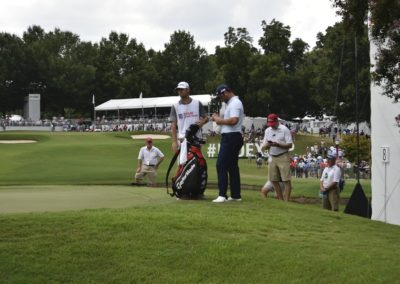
column 149, row 157
column 281, row 135
column 329, row 175
column 234, row 108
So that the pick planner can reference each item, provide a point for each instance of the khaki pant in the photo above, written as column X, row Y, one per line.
column 331, row 200
column 150, row 172
column 279, row 168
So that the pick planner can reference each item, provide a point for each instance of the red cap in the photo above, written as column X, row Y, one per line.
column 272, row 119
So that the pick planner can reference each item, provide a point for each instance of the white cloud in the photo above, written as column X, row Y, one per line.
column 153, row 21
column 308, row 17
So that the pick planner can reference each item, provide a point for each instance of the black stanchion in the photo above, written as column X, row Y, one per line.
column 358, row 203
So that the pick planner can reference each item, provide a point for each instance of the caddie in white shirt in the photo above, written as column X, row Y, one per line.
column 184, row 113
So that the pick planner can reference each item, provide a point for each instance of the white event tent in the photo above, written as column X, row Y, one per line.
column 143, row 103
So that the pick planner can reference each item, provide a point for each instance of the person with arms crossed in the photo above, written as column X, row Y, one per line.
column 278, row 140
column 149, row 159
column 231, row 143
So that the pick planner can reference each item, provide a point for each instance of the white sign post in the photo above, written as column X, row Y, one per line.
column 385, row 157
column 385, row 154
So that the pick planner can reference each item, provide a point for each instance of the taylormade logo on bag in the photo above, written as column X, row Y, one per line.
column 184, row 177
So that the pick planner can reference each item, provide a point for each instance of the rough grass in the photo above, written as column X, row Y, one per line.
column 67, row 215
column 254, row 241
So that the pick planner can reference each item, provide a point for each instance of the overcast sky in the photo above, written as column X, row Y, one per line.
column 153, row 21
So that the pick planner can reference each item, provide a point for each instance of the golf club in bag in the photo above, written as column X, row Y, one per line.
column 190, row 180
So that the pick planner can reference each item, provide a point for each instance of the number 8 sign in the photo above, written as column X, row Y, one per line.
column 385, row 154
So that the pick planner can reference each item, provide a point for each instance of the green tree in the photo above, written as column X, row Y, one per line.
column 123, row 69
column 279, row 80
column 268, row 87
column 11, row 73
column 331, row 67
column 354, row 14
column 85, row 56
column 138, row 74
column 59, row 67
column 297, row 54
column 183, row 60
column 234, row 36
column 283, row 77
column 385, row 22
column 276, row 39
column 385, row 25
column 70, row 74
column 349, row 144
column 235, row 62
column 36, row 62
column 111, row 67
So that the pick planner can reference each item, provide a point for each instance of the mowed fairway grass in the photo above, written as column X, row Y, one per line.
column 69, row 215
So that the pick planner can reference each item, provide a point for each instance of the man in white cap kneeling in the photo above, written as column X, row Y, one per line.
column 150, row 157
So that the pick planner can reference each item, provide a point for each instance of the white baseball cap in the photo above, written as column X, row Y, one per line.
column 182, row 85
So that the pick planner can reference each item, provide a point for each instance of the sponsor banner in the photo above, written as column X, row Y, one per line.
column 248, row 150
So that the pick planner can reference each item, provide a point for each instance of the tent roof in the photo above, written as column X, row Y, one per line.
column 138, row 103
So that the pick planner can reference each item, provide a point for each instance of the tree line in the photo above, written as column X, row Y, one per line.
column 280, row 76
column 384, row 20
